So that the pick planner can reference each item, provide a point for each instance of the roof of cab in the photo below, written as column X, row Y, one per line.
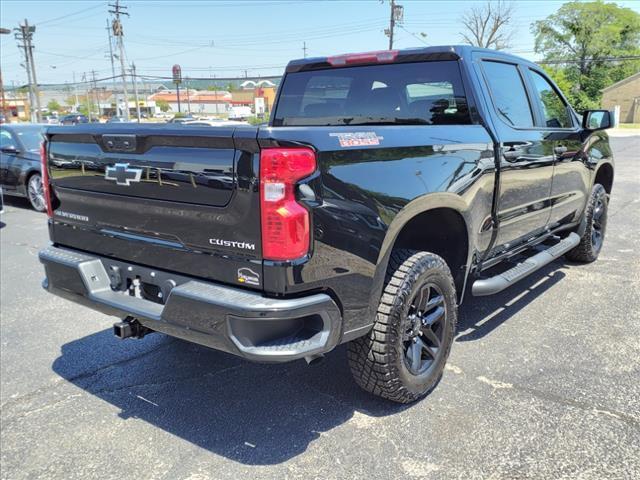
column 440, row 52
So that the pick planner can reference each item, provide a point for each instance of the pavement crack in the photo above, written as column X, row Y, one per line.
column 597, row 409
column 165, row 382
column 27, row 397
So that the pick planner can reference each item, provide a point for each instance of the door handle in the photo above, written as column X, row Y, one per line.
column 513, row 151
column 560, row 149
column 512, row 154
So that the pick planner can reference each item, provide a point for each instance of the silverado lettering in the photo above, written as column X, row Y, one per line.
column 386, row 189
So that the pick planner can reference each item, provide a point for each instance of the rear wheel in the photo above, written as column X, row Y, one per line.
column 35, row 192
column 403, row 356
column 596, row 219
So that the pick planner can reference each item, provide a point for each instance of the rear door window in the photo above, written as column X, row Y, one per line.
column 425, row 93
column 508, row 93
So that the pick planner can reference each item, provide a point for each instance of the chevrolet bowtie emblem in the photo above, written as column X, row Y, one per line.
column 122, row 174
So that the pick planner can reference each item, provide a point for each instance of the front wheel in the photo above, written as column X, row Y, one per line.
column 402, row 358
column 35, row 192
column 596, row 220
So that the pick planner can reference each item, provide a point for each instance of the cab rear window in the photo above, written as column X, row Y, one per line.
column 425, row 93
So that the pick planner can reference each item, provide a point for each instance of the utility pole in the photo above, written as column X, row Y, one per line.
column 118, row 32
column 27, row 67
column 75, row 91
column 94, row 93
column 396, row 16
column 24, row 33
column 113, row 67
column 135, row 89
column 86, row 94
column 4, row 31
column 304, row 49
column 188, row 96
column 36, row 89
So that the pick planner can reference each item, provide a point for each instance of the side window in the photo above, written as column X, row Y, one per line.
column 508, row 93
column 6, row 140
column 555, row 111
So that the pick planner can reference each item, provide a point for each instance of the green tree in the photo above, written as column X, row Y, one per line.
column 163, row 105
column 84, row 109
column 582, row 38
column 54, row 106
column 70, row 102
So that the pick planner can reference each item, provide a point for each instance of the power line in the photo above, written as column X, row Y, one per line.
column 414, row 35
column 66, row 17
column 603, row 59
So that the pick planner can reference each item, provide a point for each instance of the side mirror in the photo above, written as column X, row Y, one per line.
column 597, row 120
column 10, row 149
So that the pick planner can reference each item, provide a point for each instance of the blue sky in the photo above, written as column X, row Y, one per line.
column 226, row 37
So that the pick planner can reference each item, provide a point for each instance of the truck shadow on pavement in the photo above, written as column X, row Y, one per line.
column 250, row 413
column 479, row 316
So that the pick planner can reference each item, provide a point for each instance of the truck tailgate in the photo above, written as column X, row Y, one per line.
column 177, row 198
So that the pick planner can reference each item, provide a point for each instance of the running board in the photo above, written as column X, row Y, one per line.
column 489, row 286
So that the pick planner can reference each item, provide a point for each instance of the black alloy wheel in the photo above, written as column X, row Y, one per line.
column 424, row 334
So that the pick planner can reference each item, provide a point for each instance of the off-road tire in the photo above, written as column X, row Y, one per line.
column 377, row 360
column 588, row 250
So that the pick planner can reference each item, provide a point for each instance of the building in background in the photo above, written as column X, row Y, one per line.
column 625, row 95
column 217, row 102
column 17, row 107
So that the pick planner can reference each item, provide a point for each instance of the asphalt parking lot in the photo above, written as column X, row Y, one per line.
column 543, row 382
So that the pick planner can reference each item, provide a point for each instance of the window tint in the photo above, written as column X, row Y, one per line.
column 508, row 93
column 555, row 111
column 426, row 93
column 6, row 140
column 31, row 137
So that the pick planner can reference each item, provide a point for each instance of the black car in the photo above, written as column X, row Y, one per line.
column 74, row 119
column 20, row 171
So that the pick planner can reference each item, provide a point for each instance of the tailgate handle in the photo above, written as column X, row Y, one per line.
column 119, row 143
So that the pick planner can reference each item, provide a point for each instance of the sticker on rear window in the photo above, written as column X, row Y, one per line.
column 357, row 139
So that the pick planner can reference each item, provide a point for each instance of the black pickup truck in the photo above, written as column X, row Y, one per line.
column 386, row 188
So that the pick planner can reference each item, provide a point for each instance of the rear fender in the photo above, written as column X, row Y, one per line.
column 414, row 208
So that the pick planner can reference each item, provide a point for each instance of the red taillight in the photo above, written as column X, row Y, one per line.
column 381, row 56
column 285, row 223
column 45, row 179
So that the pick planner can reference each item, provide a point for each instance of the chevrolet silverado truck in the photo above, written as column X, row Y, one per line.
column 386, row 188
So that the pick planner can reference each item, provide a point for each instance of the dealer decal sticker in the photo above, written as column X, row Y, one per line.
column 357, row 139
column 248, row 276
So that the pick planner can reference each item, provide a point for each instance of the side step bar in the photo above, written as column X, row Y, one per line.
column 489, row 286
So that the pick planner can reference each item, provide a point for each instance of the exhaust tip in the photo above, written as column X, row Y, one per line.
column 316, row 359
